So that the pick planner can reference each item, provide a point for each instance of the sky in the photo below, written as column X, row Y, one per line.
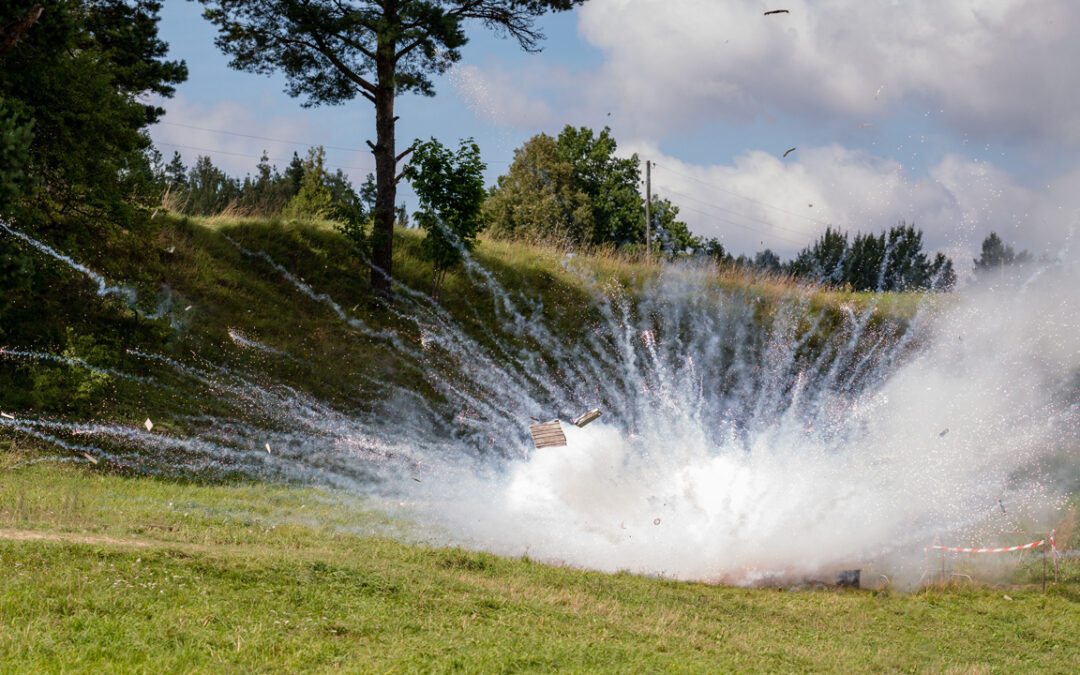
column 957, row 116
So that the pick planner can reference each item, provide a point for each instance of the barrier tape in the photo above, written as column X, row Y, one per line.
column 1033, row 544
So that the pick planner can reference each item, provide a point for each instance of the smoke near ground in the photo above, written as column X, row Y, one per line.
column 745, row 439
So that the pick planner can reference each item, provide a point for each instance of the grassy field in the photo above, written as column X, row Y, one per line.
column 103, row 572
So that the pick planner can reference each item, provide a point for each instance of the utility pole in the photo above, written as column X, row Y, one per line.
column 648, row 209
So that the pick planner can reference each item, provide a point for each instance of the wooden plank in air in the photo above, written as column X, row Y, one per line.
column 548, row 434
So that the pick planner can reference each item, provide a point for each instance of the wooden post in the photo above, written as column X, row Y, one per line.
column 648, row 208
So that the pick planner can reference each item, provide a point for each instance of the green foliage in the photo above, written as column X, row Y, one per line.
column 996, row 255
column 450, row 187
column 313, row 201
column 824, row 259
column 15, row 137
column 80, row 76
column 891, row 261
column 574, row 189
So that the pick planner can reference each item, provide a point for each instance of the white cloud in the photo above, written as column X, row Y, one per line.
column 997, row 68
column 761, row 200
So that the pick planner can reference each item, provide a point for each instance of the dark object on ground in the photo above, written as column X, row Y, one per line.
column 848, row 578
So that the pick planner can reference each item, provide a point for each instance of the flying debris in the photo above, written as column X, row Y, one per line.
column 866, row 124
column 89, row 457
column 148, row 424
column 548, row 434
column 1002, row 508
column 268, row 449
column 416, row 479
column 585, row 418
column 789, row 151
column 656, row 522
column 4, row 414
column 943, row 432
column 777, row 11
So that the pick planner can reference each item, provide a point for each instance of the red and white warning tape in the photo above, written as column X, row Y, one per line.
column 1033, row 544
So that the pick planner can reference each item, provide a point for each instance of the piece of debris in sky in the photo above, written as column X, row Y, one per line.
column 548, row 434
column 587, row 417
column 789, row 151
column 1002, row 507
column 866, row 124
column 268, row 449
column 148, row 424
column 776, row 11
column 416, row 479
column 656, row 522
column 9, row 416
column 89, row 457
column 943, row 432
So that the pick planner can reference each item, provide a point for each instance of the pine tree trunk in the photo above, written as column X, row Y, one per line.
column 382, row 236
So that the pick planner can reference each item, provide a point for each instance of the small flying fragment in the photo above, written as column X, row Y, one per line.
column 535, row 419
column 171, row 249
column 1002, row 508
column 416, row 479
column 7, row 415
column 585, row 418
column 866, row 124
column 148, row 424
column 188, row 307
column 943, row 432
column 789, row 151
column 809, row 206
column 777, row 11
column 89, row 457
column 548, row 434
column 268, row 449
column 656, row 522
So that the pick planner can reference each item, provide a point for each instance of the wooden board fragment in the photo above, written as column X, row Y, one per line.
column 587, row 417
column 548, row 434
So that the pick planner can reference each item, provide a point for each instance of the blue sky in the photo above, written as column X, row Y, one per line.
column 958, row 116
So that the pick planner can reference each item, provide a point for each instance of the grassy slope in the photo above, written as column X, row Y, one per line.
column 146, row 574
column 254, row 576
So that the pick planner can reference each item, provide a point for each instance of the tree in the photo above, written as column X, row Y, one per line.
column 81, row 76
column 905, row 267
column 537, row 198
column 313, row 200
column 767, row 261
column 450, row 187
column 333, row 50
column 15, row 138
column 575, row 189
column 864, row 266
column 824, row 260
column 996, row 254
column 672, row 234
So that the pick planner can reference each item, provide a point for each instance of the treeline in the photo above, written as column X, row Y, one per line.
column 304, row 189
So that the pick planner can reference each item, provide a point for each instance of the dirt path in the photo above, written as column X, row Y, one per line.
column 27, row 535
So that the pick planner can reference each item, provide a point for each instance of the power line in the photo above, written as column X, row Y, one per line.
column 755, row 230
column 262, row 138
column 737, row 213
column 241, row 154
column 749, row 199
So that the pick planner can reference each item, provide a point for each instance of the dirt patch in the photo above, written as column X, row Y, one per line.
column 26, row 535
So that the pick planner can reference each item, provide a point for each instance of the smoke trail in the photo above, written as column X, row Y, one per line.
column 103, row 288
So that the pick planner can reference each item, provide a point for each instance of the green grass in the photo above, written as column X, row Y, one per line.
column 143, row 574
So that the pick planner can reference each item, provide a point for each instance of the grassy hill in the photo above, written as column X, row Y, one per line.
column 156, row 557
